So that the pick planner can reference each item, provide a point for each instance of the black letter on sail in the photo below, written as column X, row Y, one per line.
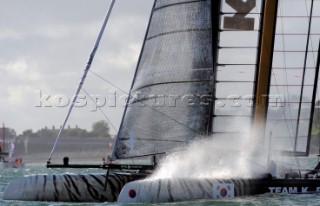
column 239, row 21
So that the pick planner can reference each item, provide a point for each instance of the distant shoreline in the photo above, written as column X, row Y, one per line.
column 37, row 149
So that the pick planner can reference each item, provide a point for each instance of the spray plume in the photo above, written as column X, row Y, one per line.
column 218, row 157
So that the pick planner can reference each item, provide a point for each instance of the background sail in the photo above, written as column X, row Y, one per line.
column 293, row 76
column 170, row 97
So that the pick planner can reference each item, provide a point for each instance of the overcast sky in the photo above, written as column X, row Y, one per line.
column 45, row 45
column 44, row 48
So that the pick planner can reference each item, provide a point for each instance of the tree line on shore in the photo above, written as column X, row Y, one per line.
column 98, row 129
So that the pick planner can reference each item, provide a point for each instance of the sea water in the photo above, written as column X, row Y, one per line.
column 267, row 199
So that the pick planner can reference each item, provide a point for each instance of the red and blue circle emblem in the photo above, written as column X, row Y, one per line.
column 223, row 192
column 132, row 193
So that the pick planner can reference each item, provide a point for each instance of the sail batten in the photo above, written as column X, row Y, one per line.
column 175, row 32
column 168, row 3
column 180, row 76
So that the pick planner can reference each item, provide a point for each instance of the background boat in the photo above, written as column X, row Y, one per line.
column 7, row 152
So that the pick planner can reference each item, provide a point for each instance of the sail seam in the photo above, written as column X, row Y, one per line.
column 178, row 31
column 157, row 96
column 175, row 4
column 172, row 82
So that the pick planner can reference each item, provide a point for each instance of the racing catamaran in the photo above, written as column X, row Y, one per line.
column 208, row 69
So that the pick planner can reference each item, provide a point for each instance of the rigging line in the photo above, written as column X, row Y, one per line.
column 318, row 112
column 313, row 55
column 318, row 118
column 312, row 105
column 284, row 109
column 286, row 73
column 104, row 114
column 104, row 79
column 286, row 79
column 303, row 75
column 144, row 104
column 85, row 72
column 162, row 113
column 275, row 79
column 317, row 88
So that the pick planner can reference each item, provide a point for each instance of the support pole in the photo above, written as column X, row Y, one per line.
column 313, row 102
column 303, row 83
column 215, row 31
column 85, row 72
column 3, row 137
column 265, row 65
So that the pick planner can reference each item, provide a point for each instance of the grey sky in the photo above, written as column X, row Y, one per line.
column 45, row 46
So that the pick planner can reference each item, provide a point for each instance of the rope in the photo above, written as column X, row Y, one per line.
column 92, row 55
column 144, row 104
column 104, row 114
column 303, row 77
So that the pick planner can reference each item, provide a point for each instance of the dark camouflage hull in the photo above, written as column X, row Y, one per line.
column 68, row 187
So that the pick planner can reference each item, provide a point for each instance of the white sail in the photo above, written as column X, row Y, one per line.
column 11, row 150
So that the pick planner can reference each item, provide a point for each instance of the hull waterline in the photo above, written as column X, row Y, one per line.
column 188, row 189
column 68, row 187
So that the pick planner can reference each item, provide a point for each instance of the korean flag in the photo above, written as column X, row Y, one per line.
column 223, row 190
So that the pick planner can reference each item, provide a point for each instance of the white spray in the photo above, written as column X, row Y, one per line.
column 218, row 157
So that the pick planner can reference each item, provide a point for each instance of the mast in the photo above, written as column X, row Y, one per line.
column 215, row 27
column 3, row 137
column 265, row 65
column 302, row 86
column 314, row 96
